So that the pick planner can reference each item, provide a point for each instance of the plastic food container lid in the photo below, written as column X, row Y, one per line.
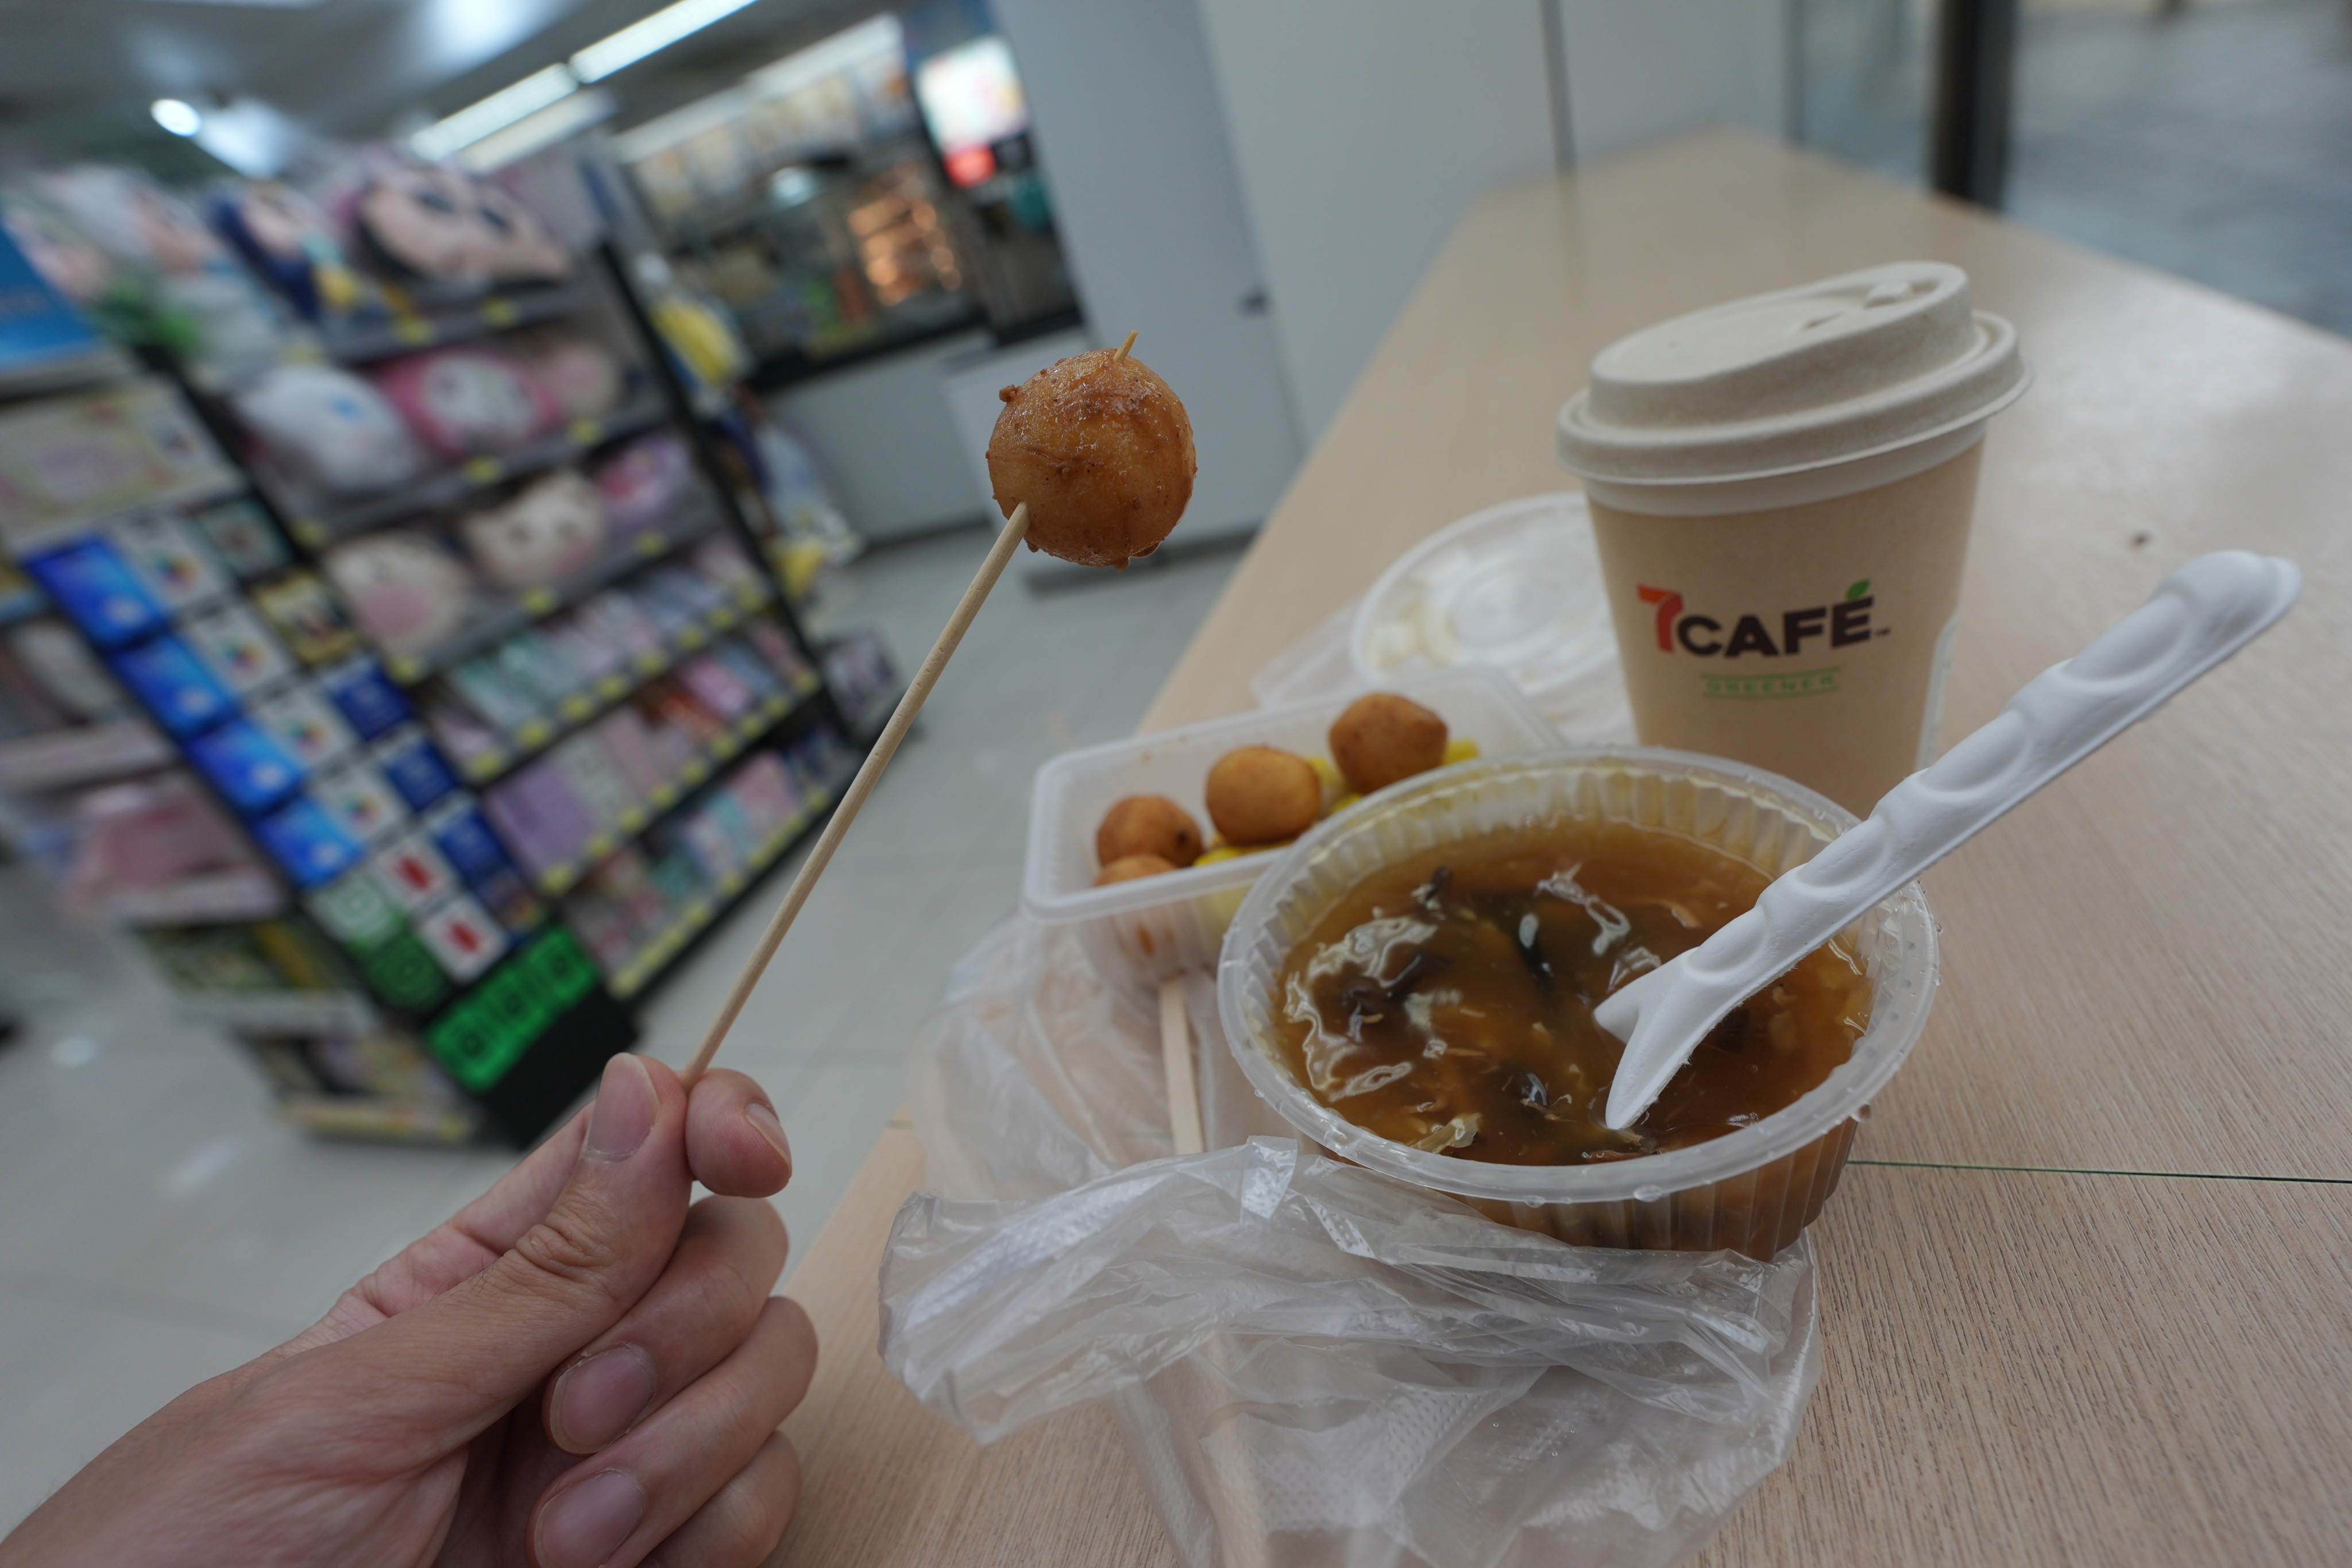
column 1517, row 587
column 1845, row 368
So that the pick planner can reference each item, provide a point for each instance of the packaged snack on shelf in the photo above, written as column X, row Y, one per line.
column 721, row 560
column 304, row 614
column 597, row 782
column 174, row 685
column 171, row 560
column 252, row 771
column 467, row 400
column 365, row 696
column 242, row 535
column 617, row 617
column 645, row 760
column 536, row 812
column 674, row 707
column 778, row 650
column 582, row 376
column 462, row 937
column 641, row 484
column 527, row 660
column 458, row 731
column 307, row 724
column 407, row 593
column 486, row 687
column 412, row 872
column 551, row 530
column 308, row 843
column 586, row 644
column 360, row 800
column 89, row 580
column 711, row 683
column 331, row 431
column 414, row 766
column 238, row 647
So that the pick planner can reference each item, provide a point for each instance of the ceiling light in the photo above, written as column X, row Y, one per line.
column 659, row 31
column 177, row 117
column 496, row 112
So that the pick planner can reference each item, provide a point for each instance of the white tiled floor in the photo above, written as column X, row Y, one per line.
column 157, row 1226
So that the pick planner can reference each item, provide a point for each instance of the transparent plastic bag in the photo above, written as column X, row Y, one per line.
column 1311, row 1363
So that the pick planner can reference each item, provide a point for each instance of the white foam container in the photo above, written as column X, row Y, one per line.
column 1157, row 926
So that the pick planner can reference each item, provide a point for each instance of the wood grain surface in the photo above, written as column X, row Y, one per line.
column 2086, row 1296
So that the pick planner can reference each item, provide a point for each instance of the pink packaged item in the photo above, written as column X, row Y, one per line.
column 717, row 687
column 441, row 225
column 603, row 789
column 539, row 816
column 636, row 750
column 468, row 400
column 553, row 527
column 579, row 374
column 404, row 591
column 641, row 484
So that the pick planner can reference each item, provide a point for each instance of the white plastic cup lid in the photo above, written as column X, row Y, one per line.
column 1516, row 587
column 1846, row 368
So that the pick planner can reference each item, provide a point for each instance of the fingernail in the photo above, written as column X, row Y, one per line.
column 587, row 1523
column 597, row 1399
column 764, row 1121
column 624, row 1111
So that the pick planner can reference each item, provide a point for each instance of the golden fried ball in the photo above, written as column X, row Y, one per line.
column 1128, row 868
column 1260, row 795
column 1101, row 450
column 1382, row 737
column 1148, row 824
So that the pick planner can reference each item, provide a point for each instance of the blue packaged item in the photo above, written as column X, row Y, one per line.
column 366, row 696
column 174, row 685
column 247, row 765
column 413, row 765
column 92, row 582
column 458, row 828
column 308, row 843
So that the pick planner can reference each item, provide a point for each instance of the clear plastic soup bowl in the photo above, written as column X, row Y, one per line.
column 1754, row 1190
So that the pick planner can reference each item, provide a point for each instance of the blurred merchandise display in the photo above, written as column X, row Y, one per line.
column 355, row 653
column 863, row 194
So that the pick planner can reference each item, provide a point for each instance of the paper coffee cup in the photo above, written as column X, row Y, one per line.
column 1781, row 490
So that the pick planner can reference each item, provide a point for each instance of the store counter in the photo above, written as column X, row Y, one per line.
column 2088, row 1284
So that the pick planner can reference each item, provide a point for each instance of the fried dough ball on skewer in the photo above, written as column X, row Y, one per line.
column 1101, row 450
column 1383, row 737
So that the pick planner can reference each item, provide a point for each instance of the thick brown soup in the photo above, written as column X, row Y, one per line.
column 1446, row 1002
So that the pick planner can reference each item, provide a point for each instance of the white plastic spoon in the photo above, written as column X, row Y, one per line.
column 2199, row 616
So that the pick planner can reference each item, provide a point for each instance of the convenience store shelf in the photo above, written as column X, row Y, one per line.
column 435, row 327
column 651, row 958
column 454, row 487
column 721, row 748
column 217, row 897
column 527, row 610
column 92, row 754
column 533, row 736
column 281, row 1011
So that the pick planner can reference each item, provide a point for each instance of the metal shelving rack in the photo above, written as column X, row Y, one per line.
column 512, row 1042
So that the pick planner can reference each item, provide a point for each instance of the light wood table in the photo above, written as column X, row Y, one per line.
column 2087, row 1289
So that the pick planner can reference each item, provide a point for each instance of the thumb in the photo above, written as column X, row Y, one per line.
column 445, row 1368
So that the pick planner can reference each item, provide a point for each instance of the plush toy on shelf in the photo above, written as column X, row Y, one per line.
column 642, row 482
column 453, row 232
column 405, row 590
column 291, row 242
column 553, row 529
column 462, row 402
column 330, row 429
column 581, row 375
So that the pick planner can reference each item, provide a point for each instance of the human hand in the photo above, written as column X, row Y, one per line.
column 578, row 1369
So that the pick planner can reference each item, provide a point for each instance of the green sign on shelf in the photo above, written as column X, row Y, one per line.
column 486, row 1031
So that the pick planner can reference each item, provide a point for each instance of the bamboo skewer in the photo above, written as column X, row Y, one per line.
column 902, row 719
column 1176, row 1060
